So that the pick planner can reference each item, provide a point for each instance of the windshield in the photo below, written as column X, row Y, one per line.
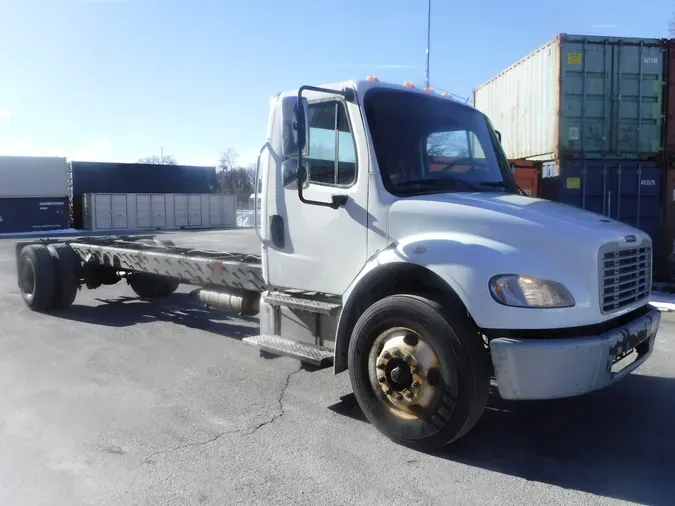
column 425, row 144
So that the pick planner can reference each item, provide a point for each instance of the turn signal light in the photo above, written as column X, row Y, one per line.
column 446, row 94
column 373, row 79
column 408, row 84
column 428, row 90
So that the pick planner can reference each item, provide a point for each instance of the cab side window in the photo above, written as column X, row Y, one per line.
column 332, row 151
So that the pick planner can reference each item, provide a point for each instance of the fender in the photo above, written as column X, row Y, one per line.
column 459, row 266
column 399, row 268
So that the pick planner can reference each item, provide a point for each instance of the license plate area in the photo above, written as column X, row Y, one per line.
column 632, row 341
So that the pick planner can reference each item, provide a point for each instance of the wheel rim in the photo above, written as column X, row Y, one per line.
column 404, row 373
column 27, row 279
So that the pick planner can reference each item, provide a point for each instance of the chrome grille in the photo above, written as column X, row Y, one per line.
column 625, row 276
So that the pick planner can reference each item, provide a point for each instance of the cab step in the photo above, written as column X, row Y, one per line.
column 304, row 352
column 302, row 302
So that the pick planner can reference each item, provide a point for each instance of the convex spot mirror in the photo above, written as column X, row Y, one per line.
column 295, row 127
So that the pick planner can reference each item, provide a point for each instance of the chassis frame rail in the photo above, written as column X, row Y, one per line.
column 187, row 265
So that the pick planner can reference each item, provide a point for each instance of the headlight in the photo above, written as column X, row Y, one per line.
column 523, row 291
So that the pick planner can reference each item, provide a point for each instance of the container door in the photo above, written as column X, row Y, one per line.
column 611, row 97
column 101, row 211
column 205, row 210
column 635, row 197
column 585, row 92
column 229, row 211
column 118, row 208
column 638, row 93
column 143, row 211
column 581, row 184
column 158, row 205
column 194, row 210
column 181, row 210
column 216, row 210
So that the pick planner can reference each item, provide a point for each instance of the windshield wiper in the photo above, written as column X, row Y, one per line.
column 438, row 181
column 496, row 184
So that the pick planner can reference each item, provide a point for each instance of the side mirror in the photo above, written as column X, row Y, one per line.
column 295, row 126
column 499, row 135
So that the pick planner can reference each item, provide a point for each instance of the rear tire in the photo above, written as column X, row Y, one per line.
column 67, row 268
column 419, row 371
column 151, row 286
column 37, row 277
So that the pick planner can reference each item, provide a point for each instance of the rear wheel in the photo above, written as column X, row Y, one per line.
column 37, row 277
column 67, row 280
column 151, row 286
column 419, row 371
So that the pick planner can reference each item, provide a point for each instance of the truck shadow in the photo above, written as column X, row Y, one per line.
column 616, row 443
column 180, row 308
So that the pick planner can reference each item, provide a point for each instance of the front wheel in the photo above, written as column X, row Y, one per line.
column 419, row 371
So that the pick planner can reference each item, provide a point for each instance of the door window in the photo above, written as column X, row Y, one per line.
column 332, row 153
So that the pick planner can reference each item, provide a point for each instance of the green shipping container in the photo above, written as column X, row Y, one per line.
column 583, row 97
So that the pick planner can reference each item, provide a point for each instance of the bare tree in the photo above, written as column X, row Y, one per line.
column 156, row 160
column 228, row 159
column 235, row 179
column 452, row 144
column 671, row 25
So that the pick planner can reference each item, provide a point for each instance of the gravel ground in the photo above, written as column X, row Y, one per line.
column 119, row 401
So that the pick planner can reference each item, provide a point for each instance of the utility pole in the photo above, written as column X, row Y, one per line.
column 426, row 73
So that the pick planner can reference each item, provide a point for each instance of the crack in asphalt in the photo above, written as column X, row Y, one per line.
column 280, row 400
column 282, row 412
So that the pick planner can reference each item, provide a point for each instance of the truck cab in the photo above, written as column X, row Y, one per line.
column 395, row 239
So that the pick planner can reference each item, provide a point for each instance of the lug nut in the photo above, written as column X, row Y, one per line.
column 387, row 391
column 409, row 395
column 408, row 358
column 397, row 353
column 386, row 355
column 415, row 384
column 382, row 379
column 380, row 365
column 399, row 397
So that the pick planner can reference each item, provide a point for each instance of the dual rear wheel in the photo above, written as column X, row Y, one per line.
column 49, row 276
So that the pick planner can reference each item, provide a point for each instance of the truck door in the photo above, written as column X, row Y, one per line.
column 323, row 249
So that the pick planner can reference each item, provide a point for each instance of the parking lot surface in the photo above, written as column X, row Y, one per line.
column 121, row 401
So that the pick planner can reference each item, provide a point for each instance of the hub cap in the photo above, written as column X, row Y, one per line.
column 404, row 372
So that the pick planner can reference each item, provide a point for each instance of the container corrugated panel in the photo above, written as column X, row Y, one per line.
column 33, row 176
column 670, row 101
column 581, row 96
column 139, row 178
column 33, row 214
column 669, row 212
column 181, row 214
column 105, row 211
column 626, row 190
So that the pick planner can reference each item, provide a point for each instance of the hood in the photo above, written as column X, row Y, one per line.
column 515, row 220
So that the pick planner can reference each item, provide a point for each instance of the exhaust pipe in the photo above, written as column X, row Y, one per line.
column 244, row 303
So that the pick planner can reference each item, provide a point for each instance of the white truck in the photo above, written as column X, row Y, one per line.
column 396, row 245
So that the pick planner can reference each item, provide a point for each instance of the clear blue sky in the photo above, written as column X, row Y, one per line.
column 117, row 79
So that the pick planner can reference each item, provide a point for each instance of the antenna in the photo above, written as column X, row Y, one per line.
column 426, row 73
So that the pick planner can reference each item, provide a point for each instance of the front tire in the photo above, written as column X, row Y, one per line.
column 419, row 371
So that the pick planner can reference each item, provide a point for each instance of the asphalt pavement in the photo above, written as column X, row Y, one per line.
column 121, row 401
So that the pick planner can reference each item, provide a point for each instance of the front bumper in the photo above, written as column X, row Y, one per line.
column 555, row 368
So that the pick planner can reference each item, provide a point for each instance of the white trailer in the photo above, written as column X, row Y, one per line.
column 396, row 245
